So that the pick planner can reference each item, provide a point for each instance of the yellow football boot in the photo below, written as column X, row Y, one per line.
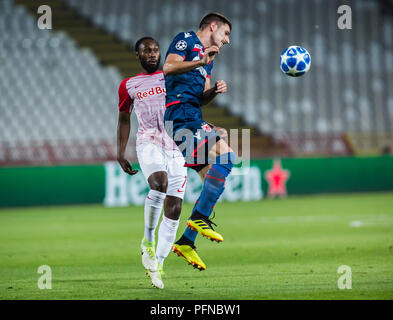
column 203, row 226
column 189, row 253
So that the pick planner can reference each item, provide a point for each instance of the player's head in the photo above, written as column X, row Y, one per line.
column 218, row 26
column 147, row 51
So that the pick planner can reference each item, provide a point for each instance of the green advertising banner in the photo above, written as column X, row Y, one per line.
column 334, row 175
column 36, row 186
column 244, row 184
column 109, row 185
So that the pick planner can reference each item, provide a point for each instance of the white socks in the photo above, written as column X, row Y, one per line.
column 168, row 227
column 166, row 237
column 153, row 207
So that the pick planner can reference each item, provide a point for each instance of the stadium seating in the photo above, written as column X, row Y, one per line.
column 349, row 88
column 54, row 95
column 58, row 97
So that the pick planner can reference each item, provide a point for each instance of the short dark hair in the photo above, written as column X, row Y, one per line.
column 213, row 16
column 139, row 42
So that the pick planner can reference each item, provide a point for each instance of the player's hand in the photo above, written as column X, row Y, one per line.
column 210, row 53
column 126, row 166
column 220, row 86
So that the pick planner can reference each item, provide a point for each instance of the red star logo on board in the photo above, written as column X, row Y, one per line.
column 277, row 178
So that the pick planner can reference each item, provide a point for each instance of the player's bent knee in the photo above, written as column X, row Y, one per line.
column 158, row 181
column 222, row 132
column 161, row 187
column 173, row 207
column 222, row 147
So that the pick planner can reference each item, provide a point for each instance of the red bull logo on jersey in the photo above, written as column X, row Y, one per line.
column 151, row 92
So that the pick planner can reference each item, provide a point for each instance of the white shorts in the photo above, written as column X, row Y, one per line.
column 152, row 159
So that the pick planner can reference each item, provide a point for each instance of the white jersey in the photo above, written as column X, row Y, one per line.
column 146, row 94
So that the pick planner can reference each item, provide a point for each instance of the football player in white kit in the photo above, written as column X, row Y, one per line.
column 160, row 160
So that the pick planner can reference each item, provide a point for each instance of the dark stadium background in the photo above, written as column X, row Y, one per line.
column 59, row 89
column 327, row 132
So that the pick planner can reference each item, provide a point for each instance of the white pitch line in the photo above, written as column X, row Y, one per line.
column 355, row 223
column 291, row 219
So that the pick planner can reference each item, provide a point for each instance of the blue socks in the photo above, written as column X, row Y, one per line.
column 212, row 189
column 188, row 233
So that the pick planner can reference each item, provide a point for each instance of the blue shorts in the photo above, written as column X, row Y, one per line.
column 194, row 138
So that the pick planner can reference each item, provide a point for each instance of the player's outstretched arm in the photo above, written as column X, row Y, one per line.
column 123, row 133
column 174, row 63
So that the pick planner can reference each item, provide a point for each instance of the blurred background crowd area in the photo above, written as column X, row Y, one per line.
column 58, row 87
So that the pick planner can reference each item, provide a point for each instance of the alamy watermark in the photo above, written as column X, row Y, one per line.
column 45, row 281
column 345, row 280
column 202, row 145
column 45, row 20
column 345, row 20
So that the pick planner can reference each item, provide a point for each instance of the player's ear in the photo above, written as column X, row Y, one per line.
column 213, row 26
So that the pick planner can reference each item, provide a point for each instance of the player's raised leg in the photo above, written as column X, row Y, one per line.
column 213, row 187
column 185, row 246
column 223, row 134
column 213, row 177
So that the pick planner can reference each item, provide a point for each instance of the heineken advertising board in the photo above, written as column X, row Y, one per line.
column 244, row 184
column 109, row 185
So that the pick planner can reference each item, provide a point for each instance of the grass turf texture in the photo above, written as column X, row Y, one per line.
column 274, row 249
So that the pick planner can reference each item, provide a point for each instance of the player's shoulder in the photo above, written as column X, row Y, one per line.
column 123, row 84
column 145, row 75
column 125, row 81
column 128, row 82
column 182, row 41
column 187, row 36
column 146, row 79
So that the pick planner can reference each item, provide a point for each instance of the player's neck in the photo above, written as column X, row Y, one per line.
column 144, row 71
column 204, row 37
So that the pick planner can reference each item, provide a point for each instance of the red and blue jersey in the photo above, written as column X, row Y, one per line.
column 184, row 92
column 187, row 88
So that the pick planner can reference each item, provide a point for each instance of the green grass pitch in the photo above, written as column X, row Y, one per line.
column 273, row 249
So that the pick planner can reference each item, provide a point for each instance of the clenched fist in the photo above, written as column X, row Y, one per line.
column 221, row 86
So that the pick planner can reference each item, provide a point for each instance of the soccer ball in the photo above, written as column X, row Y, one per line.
column 295, row 61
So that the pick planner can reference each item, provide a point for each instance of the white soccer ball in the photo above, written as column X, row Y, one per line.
column 295, row 61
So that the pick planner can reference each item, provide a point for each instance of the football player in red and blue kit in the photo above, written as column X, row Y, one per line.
column 187, row 70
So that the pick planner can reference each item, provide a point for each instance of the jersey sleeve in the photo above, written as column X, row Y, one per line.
column 125, row 101
column 180, row 45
